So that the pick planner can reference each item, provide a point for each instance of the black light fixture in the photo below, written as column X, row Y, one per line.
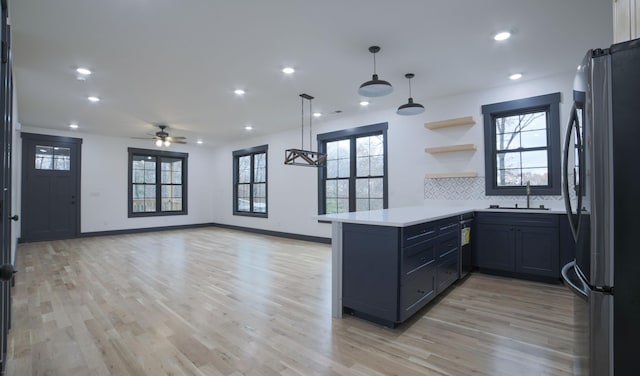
column 301, row 157
column 376, row 87
column 410, row 108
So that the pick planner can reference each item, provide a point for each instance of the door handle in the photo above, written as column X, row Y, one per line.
column 14, row 218
column 6, row 272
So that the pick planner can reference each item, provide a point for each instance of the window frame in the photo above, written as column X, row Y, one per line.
column 549, row 103
column 352, row 134
column 253, row 151
column 158, row 155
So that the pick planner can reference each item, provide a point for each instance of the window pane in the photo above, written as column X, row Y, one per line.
column 331, row 205
column 509, row 177
column 534, row 139
column 362, row 204
column 534, row 158
column 362, row 188
column 506, row 141
column 344, row 149
column 260, row 205
column 259, row 190
column 535, row 176
column 343, row 188
column 260, row 167
column 508, row 160
column 150, row 205
column 376, row 145
column 61, row 159
column 377, row 165
column 332, row 169
column 362, row 166
column 331, row 188
column 344, row 168
column 376, row 204
column 376, row 188
column 44, row 157
column 362, row 147
column 150, row 175
column 343, row 205
column 244, row 169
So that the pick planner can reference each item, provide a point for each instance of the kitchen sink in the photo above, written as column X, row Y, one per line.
column 541, row 207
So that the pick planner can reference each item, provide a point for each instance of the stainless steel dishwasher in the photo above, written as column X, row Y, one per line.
column 466, row 244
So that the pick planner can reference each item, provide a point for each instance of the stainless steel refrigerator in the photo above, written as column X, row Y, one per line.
column 602, row 195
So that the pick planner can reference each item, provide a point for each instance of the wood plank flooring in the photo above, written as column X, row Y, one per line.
column 220, row 302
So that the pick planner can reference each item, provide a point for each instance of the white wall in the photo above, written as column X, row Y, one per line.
column 104, row 183
column 292, row 190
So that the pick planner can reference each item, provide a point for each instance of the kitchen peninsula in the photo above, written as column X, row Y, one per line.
column 387, row 264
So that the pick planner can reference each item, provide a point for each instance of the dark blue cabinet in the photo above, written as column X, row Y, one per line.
column 389, row 273
column 521, row 243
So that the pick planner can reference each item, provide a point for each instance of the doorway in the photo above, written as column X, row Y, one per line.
column 50, row 187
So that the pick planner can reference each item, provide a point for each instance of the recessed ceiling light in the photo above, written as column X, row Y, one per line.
column 317, row 114
column 83, row 71
column 73, row 125
column 93, row 99
column 288, row 70
column 199, row 142
column 502, row 35
column 248, row 128
column 515, row 76
column 364, row 103
column 239, row 92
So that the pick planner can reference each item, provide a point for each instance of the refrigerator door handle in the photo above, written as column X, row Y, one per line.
column 580, row 291
column 574, row 223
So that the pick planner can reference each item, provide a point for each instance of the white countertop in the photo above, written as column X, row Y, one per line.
column 411, row 215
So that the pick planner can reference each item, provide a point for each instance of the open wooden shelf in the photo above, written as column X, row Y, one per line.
column 452, row 175
column 449, row 149
column 467, row 120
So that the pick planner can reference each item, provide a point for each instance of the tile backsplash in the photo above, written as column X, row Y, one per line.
column 473, row 189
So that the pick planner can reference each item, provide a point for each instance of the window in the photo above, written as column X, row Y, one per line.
column 157, row 183
column 355, row 175
column 522, row 146
column 53, row 158
column 250, row 181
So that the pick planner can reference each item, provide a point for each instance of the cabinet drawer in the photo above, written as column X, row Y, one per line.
column 418, row 233
column 418, row 256
column 521, row 219
column 448, row 243
column 447, row 271
column 418, row 290
column 448, row 225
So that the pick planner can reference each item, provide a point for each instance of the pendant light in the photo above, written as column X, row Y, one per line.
column 301, row 157
column 376, row 87
column 410, row 108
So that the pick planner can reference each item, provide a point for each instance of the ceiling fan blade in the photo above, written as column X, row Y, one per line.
column 177, row 138
column 179, row 142
column 143, row 138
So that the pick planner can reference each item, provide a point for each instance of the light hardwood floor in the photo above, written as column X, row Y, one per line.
column 220, row 302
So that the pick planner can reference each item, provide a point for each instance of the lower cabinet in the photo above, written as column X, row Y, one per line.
column 521, row 243
column 389, row 273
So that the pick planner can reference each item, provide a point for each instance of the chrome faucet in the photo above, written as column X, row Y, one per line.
column 528, row 194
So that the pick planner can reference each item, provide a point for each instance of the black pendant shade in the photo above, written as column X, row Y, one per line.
column 375, row 87
column 410, row 108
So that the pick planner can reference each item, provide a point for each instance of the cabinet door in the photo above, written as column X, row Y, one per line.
column 537, row 251
column 495, row 248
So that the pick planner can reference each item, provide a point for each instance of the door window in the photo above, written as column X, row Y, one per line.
column 52, row 158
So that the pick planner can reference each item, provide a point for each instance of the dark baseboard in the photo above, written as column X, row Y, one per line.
column 308, row 238
column 140, row 230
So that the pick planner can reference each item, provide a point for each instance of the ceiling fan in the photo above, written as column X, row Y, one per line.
column 163, row 139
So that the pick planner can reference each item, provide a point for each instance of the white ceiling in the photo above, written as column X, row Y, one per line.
column 178, row 62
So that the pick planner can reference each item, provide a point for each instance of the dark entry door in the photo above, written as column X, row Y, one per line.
column 50, row 187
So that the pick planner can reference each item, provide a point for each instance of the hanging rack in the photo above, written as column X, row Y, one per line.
column 301, row 157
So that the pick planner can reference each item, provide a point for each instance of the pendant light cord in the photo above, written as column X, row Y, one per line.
column 409, row 88
column 302, row 123
column 374, row 63
column 310, row 122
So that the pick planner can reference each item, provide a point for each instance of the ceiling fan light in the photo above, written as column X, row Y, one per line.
column 158, row 142
column 166, row 143
column 410, row 108
column 375, row 88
